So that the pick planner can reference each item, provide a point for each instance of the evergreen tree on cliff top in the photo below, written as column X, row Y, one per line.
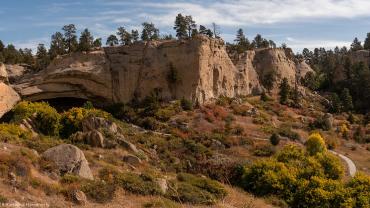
column 86, row 41
column 367, row 42
column 70, row 37
column 150, row 32
column 112, row 40
column 356, row 45
column 57, row 45
column 180, row 27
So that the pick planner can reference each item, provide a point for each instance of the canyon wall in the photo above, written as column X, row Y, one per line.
column 199, row 70
column 8, row 97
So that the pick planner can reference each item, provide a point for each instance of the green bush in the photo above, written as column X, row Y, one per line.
column 71, row 120
column 143, row 184
column 12, row 132
column 46, row 118
column 305, row 181
column 186, row 105
column 274, row 139
column 99, row 191
column 196, row 190
column 264, row 151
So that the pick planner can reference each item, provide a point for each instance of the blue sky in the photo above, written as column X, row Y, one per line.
column 299, row 23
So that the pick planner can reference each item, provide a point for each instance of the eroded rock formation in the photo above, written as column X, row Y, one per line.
column 199, row 70
column 8, row 97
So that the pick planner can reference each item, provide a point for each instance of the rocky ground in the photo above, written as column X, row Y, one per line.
column 138, row 157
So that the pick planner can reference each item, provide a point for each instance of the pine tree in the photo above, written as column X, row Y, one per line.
column 367, row 42
column 150, row 32
column 284, row 91
column 204, row 31
column 135, row 35
column 97, row 43
column 121, row 34
column 180, row 27
column 57, row 45
column 42, row 57
column 274, row 139
column 336, row 105
column 86, row 41
column 112, row 40
column 356, row 45
column 346, row 100
column 70, row 37
column 190, row 25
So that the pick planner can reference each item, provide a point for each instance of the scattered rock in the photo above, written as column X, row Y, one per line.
column 126, row 144
column 217, row 145
column 329, row 120
column 69, row 159
column 95, row 138
column 12, row 178
column 93, row 123
column 131, row 159
column 79, row 197
column 162, row 183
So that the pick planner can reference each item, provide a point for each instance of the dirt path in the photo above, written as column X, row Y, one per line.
column 350, row 164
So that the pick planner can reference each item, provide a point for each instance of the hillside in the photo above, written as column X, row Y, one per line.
column 177, row 123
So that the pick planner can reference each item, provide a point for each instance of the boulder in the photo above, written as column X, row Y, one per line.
column 94, row 123
column 162, row 183
column 329, row 120
column 3, row 73
column 79, row 197
column 69, row 159
column 126, row 144
column 95, row 139
column 8, row 98
column 132, row 160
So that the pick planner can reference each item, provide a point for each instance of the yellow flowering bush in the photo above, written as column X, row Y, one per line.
column 315, row 144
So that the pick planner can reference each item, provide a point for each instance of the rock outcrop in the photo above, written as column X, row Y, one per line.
column 69, row 159
column 199, row 70
column 8, row 97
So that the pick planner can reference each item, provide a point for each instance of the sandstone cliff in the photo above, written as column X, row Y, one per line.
column 199, row 70
column 8, row 97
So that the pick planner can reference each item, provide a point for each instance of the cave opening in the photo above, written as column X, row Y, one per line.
column 65, row 103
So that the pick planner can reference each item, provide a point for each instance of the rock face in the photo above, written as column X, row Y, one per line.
column 8, row 97
column 69, row 159
column 199, row 70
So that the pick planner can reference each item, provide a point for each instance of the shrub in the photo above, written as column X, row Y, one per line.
column 186, row 104
column 332, row 166
column 286, row 131
column 143, row 184
column 359, row 188
column 149, row 123
column 315, row 144
column 305, row 181
column 264, row 151
column 211, row 186
column 71, row 120
column 268, row 177
column 99, row 191
column 195, row 190
column 46, row 118
column 274, row 139
column 12, row 132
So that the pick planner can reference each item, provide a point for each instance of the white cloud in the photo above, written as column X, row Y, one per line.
column 298, row 44
column 247, row 12
column 32, row 43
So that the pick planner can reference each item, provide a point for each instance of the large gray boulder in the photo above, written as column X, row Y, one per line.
column 69, row 159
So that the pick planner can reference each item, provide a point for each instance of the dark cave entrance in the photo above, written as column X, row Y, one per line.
column 65, row 103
